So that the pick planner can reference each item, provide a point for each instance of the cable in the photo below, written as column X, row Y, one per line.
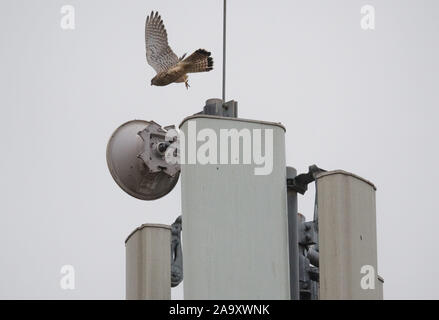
column 224, row 51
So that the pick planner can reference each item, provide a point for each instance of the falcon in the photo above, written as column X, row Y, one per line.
column 165, row 62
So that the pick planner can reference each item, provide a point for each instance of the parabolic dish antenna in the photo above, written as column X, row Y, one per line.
column 129, row 169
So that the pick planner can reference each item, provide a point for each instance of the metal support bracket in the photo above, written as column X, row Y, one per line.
column 155, row 145
column 300, row 182
column 308, row 239
column 176, row 253
column 216, row 107
column 308, row 233
column 303, row 239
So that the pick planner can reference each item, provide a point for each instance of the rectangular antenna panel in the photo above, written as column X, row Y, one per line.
column 347, row 237
column 148, row 263
column 235, row 230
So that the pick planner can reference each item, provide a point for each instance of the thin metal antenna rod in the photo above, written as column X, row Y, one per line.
column 224, row 52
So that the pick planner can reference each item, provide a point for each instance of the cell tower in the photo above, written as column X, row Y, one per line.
column 242, row 235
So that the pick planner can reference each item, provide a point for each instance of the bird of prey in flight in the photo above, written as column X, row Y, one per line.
column 165, row 62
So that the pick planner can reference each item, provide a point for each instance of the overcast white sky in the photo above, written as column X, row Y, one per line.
column 362, row 101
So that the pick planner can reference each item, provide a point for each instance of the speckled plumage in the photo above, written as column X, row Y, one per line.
column 165, row 62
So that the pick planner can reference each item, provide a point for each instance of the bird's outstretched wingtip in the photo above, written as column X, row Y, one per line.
column 153, row 15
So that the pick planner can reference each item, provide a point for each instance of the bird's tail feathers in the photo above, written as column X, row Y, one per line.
column 199, row 61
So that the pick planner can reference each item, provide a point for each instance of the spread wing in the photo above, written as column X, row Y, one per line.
column 158, row 53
